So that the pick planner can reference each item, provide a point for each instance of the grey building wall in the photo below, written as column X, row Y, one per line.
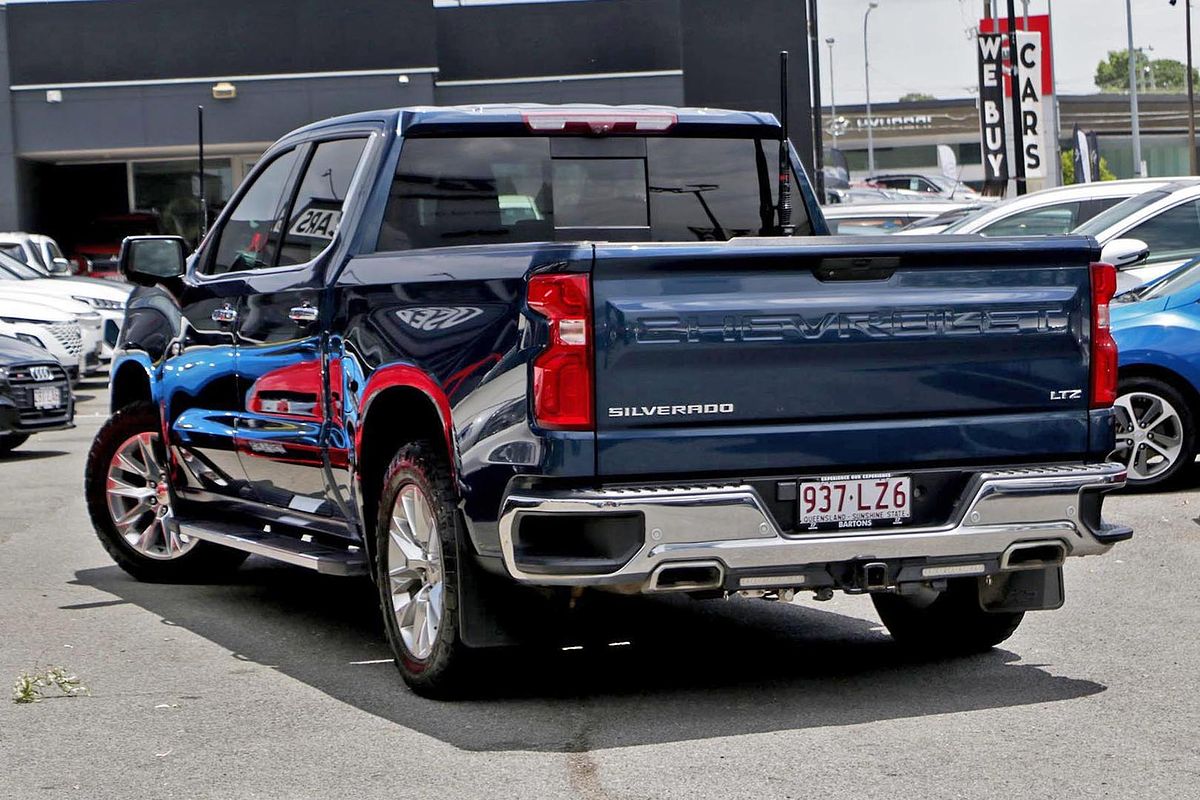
column 9, row 195
column 126, row 117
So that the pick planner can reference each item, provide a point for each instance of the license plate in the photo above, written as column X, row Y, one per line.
column 854, row 502
column 47, row 397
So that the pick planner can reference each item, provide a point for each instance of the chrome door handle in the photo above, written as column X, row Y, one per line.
column 225, row 314
column 303, row 315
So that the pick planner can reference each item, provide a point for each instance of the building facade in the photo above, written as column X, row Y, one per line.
column 98, row 130
column 907, row 134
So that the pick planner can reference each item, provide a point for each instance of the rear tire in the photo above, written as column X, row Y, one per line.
column 126, row 487
column 11, row 441
column 953, row 624
column 416, row 566
column 1156, row 432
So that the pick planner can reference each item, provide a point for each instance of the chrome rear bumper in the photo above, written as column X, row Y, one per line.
column 729, row 525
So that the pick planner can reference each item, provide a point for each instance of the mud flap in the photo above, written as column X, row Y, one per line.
column 1023, row 590
column 495, row 612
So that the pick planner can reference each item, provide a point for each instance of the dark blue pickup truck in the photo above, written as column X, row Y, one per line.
column 493, row 357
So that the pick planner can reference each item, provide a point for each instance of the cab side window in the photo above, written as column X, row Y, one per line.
column 317, row 210
column 250, row 237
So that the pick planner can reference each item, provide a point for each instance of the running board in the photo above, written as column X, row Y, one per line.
column 328, row 560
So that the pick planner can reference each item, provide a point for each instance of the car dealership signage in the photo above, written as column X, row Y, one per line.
column 1034, row 87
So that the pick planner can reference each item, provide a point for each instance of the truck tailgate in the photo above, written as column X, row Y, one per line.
column 771, row 354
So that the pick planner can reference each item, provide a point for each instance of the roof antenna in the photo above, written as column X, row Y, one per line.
column 786, row 227
column 203, row 198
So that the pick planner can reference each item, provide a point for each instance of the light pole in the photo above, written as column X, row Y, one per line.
column 1191, row 89
column 867, row 73
column 832, row 96
column 1133, row 94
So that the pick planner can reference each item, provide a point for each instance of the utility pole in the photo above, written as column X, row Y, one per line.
column 1191, row 90
column 867, row 74
column 1018, row 122
column 1133, row 94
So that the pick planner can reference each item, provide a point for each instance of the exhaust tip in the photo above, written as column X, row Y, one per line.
column 1034, row 555
column 687, row 577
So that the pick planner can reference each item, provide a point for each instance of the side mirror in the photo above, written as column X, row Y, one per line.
column 148, row 260
column 60, row 266
column 1125, row 253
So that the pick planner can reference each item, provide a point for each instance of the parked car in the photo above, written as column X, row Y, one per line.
column 107, row 298
column 51, row 329
column 935, row 185
column 96, row 252
column 1158, row 404
column 940, row 222
column 1053, row 211
column 364, row 370
column 35, row 393
column 1149, row 235
column 91, row 324
column 39, row 252
column 872, row 219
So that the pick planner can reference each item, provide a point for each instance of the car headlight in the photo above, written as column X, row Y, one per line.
column 100, row 303
column 3, row 373
column 33, row 340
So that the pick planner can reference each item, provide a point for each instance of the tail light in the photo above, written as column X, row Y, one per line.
column 1104, row 347
column 562, row 373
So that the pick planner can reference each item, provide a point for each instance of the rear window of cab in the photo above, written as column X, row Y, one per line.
column 484, row 190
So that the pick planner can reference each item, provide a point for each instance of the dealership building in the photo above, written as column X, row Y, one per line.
column 98, row 129
column 906, row 135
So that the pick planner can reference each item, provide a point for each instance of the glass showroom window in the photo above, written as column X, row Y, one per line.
column 170, row 190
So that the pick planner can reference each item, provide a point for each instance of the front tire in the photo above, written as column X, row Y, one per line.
column 1156, row 432
column 416, row 550
column 126, row 484
column 952, row 624
column 11, row 441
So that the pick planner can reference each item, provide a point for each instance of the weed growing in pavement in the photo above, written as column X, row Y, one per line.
column 30, row 687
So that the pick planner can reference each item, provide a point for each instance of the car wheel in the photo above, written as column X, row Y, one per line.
column 11, row 441
column 416, row 551
column 128, row 499
column 953, row 623
column 1155, row 432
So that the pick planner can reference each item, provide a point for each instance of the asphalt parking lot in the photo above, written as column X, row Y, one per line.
column 276, row 683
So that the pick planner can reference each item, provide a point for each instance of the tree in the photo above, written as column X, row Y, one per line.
column 1068, row 168
column 1161, row 75
column 916, row 97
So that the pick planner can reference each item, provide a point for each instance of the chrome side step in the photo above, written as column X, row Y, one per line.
column 341, row 561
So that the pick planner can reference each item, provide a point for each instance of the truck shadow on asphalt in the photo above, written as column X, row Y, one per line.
column 692, row 670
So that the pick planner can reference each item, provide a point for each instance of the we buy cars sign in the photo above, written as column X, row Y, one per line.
column 1035, row 85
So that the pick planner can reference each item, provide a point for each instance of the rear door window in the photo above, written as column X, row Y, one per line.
column 1172, row 234
column 317, row 209
column 459, row 191
column 1045, row 221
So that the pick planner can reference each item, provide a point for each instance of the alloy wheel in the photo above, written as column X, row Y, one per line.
column 139, row 500
column 1149, row 435
column 415, row 571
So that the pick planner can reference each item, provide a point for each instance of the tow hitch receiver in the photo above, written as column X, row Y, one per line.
column 875, row 576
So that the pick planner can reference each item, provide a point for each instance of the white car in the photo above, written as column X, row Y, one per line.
column 1147, row 236
column 91, row 325
column 1053, row 211
column 40, row 252
column 107, row 298
column 870, row 219
column 55, row 331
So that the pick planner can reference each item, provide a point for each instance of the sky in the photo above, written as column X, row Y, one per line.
column 923, row 46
